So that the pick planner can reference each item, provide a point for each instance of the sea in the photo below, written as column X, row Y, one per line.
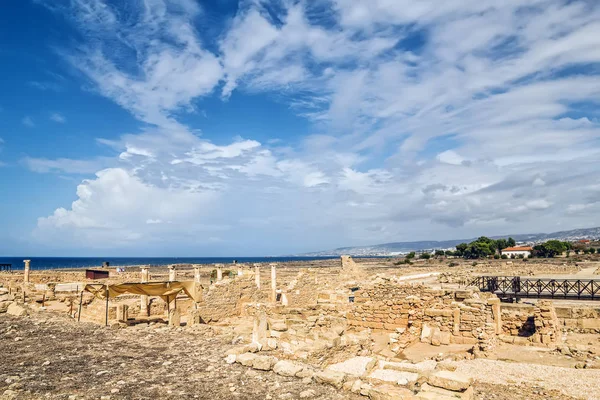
column 90, row 262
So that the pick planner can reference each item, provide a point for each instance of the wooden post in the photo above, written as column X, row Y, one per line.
column 168, row 306
column 106, row 317
column 43, row 299
column 80, row 302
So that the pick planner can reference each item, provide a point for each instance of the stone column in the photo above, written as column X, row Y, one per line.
column 144, row 298
column 273, row 282
column 26, row 271
column 257, row 275
column 259, row 330
column 175, row 317
column 172, row 273
column 219, row 272
column 197, row 274
column 240, row 271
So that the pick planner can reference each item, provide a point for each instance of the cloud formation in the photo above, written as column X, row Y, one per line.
column 434, row 120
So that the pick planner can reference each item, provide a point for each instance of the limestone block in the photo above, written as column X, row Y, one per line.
column 436, row 337
column 426, row 333
column 278, row 326
column 449, row 380
column 390, row 375
column 356, row 366
column 420, row 367
column 330, row 377
column 389, row 392
column 175, row 317
column 287, row 368
column 264, row 363
column 445, row 338
column 433, row 393
column 16, row 310
column 246, row 359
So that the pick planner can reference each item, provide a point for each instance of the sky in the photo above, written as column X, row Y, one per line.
column 218, row 128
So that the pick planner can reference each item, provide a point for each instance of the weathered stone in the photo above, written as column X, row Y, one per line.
column 246, row 359
column 330, row 377
column 426, row 334
column 434, row 393
column 356, row 366
column 449, row 380
column 175, row 317
column 287, row 368
column 389, row 392
column 436, row 337
column 16, row 310
column 389, row 375
column 264, row 363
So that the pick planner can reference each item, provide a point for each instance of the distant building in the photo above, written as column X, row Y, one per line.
column 517, row 250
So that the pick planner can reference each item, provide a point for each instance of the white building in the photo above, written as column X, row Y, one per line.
column 517, row 251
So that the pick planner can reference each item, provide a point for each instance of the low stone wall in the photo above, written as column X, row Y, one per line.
column 417, row 312
column 581, row 319
column 227, row 298
column 524, row 324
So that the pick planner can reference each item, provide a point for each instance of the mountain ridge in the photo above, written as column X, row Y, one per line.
column 394, row 248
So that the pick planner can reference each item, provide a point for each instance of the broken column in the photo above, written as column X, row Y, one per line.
column 172, row 273
column 240, row 270
column 259, row 330
column 273, row 282
column 122, row 312
column 26, row 271
column 197, row 274
column 257, row 275
column 219, row 272
column 175, row 317
column 144, row 298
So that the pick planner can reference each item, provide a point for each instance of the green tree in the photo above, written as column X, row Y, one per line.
column 550, row 249
column 425, row 256
column 511, row 242
column 460, row 249
column 439, row 253
column 449, row 253
column 501, row 244
column 592, row 250
column 410, row 255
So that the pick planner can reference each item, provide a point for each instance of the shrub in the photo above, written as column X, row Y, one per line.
column 452, row 264
column 496, row 256
column 474, row 263
column 504, row 256
column 425, row 256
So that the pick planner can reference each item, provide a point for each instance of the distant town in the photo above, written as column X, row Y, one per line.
column 590, row 236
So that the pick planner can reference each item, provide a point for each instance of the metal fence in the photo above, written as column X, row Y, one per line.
column 517, row 287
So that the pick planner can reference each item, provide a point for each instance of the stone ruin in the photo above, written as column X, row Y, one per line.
column 341, row 327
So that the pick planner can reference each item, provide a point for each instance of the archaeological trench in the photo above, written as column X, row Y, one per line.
column 366, row 328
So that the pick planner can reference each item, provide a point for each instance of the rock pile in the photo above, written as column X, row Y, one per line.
column 370, row 377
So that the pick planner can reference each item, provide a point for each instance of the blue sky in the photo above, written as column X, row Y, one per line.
column 274, row 127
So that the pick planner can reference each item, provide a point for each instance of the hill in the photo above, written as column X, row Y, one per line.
column 394, row 248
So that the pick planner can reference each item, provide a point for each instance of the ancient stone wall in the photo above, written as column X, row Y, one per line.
column 581, row 319
column 435, row 316
column 524, row 324
column 226, row 298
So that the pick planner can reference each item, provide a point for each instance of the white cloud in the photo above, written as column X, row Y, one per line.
column 57, row 117
column 436, row 119
column 28, row 122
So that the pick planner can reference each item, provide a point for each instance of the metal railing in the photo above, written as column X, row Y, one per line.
column 516, row 287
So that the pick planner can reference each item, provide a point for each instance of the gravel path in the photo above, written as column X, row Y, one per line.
column 580, row 383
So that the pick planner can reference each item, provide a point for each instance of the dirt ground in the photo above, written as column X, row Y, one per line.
column 51, row 356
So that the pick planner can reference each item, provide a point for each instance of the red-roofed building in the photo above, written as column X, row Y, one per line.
column 517, row 251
